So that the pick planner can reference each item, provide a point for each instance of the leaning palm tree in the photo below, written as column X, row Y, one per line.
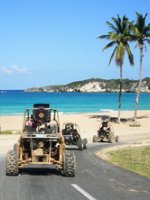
column 141, row 34
column 119, row 37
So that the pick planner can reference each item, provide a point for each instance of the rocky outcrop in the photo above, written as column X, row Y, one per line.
column 96, row 85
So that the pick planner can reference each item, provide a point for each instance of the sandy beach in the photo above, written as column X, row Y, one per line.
column 88, row 124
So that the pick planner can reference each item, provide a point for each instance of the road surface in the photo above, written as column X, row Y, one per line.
column 94, row 180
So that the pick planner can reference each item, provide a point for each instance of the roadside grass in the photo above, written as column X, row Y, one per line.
column 7, row 132
column 136, row 159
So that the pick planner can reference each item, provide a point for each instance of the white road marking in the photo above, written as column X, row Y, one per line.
column 83, row 192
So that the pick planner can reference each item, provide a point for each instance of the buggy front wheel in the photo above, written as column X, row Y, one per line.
column 111, row 138
column 95, row 138
column 84, row 143
column 80, row 144
column 117, row 138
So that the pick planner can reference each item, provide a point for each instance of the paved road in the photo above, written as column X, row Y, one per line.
column 94, row 180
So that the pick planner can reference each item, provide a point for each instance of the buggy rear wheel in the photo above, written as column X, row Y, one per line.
column 111, row 138
column 84, row 143
column 11, row 164
column 95, row 138
column 117, row 138
column 80, row 144
column 69, row 164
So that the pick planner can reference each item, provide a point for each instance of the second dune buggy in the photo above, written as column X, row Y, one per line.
column 72, row 135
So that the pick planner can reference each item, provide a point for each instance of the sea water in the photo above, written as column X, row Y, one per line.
column 14, row 102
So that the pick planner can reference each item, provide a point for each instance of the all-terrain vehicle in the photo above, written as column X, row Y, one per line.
column 40, row 143
column 105, row 133
column 72, row 135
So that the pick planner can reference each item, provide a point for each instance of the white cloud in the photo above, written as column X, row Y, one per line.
column 5, row 70
column 14, row 69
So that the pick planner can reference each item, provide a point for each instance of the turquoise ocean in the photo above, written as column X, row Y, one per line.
column 14, row 102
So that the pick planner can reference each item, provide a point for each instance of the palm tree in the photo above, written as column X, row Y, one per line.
column 141, row 34
column 119, row 37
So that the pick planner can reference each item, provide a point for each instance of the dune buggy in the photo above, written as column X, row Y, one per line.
column 40, row 143
column 105, row 133
column 72, row 135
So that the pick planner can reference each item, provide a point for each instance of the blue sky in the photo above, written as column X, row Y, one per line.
column 49, row 42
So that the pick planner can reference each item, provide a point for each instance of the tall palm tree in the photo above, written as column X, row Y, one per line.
column 119, row 37
column 141, row 34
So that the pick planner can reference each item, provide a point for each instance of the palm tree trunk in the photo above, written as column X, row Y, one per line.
column 139, row 85
column 120, row 95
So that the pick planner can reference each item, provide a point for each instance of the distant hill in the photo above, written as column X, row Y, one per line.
column 95, row 85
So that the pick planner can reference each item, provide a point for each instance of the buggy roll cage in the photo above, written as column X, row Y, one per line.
column 49, row 115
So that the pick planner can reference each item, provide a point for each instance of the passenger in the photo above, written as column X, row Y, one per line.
column 29, row 123
column 105, row 128
column 75, row 133
column 32, row 123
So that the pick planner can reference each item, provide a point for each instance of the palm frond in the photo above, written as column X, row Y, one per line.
column 119, row 35
column 130, row 55
column 136, row 45
column 146, row 30
column 140, row 23
column 103, row 37
column 113, row 36
column 117, row 23
column 132, row 38
column 112, row 27
column 140, row 31
column 112, row 55
column 110, row 44
column 148, row 41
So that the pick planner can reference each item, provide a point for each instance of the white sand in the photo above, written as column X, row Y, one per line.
column 88, row 124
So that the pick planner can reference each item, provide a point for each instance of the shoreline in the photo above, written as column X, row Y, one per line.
column 101, row 111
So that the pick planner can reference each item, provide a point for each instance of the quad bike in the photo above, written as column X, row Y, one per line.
column 105, row 133
column 72, row 136
column 40, row 143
